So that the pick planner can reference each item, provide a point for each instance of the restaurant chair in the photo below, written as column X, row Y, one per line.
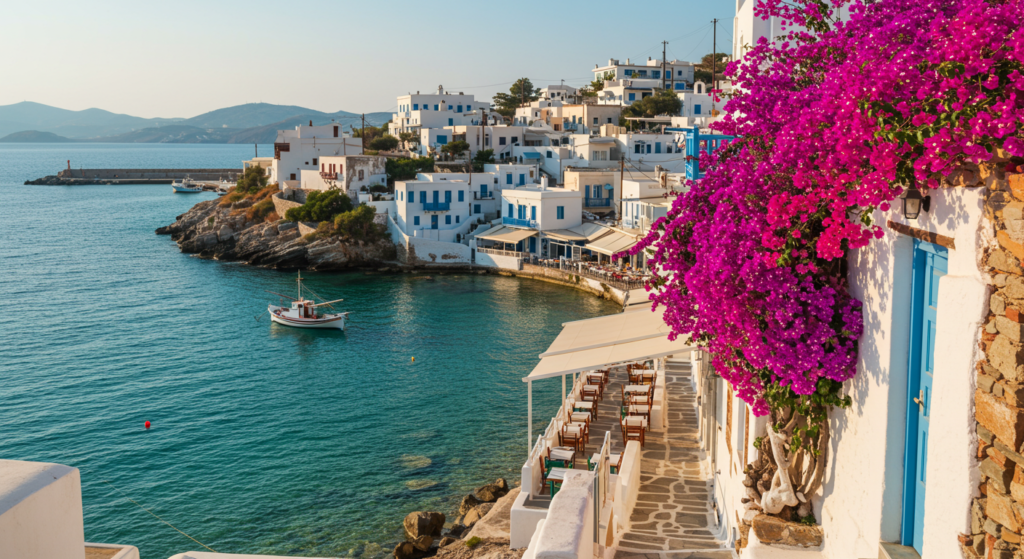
column 556, row 459
column 632, row 432
column 549, row 477
column 573, row 435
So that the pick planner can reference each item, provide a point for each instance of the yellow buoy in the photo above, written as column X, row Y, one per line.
column 413, row 359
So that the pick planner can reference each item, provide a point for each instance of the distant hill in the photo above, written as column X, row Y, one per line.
column 35, row 137
column 89, row 123
column 249, row 123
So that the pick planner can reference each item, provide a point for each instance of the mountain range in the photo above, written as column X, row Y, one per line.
column 249, row 123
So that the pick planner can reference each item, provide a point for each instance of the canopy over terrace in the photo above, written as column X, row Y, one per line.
column 601, row 342
column 504, row 234
column 613, row 243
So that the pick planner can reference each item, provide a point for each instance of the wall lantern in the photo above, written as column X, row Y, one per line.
column 914, row 202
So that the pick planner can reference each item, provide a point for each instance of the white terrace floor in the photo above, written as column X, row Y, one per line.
column 672, row 518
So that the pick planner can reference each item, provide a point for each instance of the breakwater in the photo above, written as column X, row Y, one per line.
column 133, row 176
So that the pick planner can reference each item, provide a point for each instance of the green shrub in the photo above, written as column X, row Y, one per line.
column 473, row 542
column 386, row 142
column 260, row 210
column 378, row 188
column 405, row 169
column 252, row 180
column 357, row 224
column 320, row 206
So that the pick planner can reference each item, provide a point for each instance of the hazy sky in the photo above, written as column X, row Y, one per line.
column 183, row 58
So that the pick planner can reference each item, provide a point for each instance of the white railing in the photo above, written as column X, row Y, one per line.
column 628, row 487
column 498, row 252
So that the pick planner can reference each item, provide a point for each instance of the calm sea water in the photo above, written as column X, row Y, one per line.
column 264, row 439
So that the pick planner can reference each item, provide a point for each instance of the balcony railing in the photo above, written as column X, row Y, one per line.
column 599, row 202
column 483, row 196
column 436, row 206
column 502, row 252
column 515, row 222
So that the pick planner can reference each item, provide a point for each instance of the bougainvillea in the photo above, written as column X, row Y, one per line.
column 834, row 119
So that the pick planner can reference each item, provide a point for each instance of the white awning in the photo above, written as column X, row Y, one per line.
column 506, row 234
column 592, row 231
column 612, row 243
column 606, row 330
column 597, row 358
column 564, row 235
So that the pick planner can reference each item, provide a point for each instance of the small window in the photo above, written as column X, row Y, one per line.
column 456, row 219
column 415, row 106
column 510, row 210
column 314, row 161
column 533, row 213
column 415, row 220
column 447, row 220
column 595, row 120
column 462, row 196
column 401, row 196
column 549, row 154
column 293, row 176
column 609, row 120
column 423, row 197
column 448, row 196
column 632, row 96
column 501, row 141
column 435, row 107
column 360, row 174
column 476, row 208
column 515, row 139
column 560, row 212
column 696, row 109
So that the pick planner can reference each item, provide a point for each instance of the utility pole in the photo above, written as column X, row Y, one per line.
column 362, row 131
column 714, row 62
column 663, row 45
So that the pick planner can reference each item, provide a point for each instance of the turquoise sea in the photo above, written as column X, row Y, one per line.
column 264, row 439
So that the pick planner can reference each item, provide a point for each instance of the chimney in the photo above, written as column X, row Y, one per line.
column 440, row 90
column 311, row 123
column 627, row 62
column 544, row 183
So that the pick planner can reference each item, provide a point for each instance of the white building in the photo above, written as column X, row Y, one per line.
column 528, row 212
column 348, row 173
column 563, row 93
column 301, row 149
column 437, row 207
column 436, row 110
column 675, row 75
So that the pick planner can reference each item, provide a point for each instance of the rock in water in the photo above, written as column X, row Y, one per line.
column 490, row 493
column 476, row 514
column 423, row 543
column 421, row 523
column 469, row 502
column 406, row 550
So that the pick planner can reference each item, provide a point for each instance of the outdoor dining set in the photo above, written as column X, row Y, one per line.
column 581, row 410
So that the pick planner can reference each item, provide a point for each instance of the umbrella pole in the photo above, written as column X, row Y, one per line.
column 529, row 416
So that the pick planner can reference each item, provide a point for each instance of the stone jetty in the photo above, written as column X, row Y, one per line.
column 69, row 176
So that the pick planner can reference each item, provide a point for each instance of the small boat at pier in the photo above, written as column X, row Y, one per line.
column 305, row 313
column 186, row 186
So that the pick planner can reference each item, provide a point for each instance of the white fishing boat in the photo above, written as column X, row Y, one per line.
column 186, row 186
column 306, row 313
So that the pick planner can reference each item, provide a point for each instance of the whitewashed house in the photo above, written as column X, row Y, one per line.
column 529, row 213
column 435, row 207
column 417, row 111
column 675, row 75
column 348, row 173
column 301, row 149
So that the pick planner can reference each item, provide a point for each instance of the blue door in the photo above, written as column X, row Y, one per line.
column 930, row 264
column 522, row 179
column 436, row 199
column 483, row 192
column 433, row 222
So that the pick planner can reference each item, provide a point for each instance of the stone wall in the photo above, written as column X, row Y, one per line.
column 282, row 204
column 997, row 514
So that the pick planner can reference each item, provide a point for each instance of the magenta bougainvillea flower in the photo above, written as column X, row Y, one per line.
column 858, row 100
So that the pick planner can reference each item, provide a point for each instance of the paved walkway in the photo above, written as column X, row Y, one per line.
column 672, row 518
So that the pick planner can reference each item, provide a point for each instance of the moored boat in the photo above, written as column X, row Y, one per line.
column 305, row 313
column 186, row 186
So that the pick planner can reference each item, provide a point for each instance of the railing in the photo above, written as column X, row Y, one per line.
column 621, row 284
column 498, row 252
column 484, row 196
column 515, row 222
column 328, row 176
column 436, row 206
column 598, row 202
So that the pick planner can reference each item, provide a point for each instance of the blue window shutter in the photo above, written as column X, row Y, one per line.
column 587, row 187
column 450, row 122
column 447, row 220
column 560, row 212
column 657, row 147
column 458, row 108
column 423, row 196
column 533, row 212
column 636, row 148
column 508, row 178
column 416, row 220
column 415, row 106
column 462, row 196
column 648, row 148
column 456, row 219
column 448, row 196
column 510, row 210
column 632, row 96
column 476, row 208
column 696, row 109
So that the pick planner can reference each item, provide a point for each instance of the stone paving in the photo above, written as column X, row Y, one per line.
column 672, row 518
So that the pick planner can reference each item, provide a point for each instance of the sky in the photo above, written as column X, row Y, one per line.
column 184, row 58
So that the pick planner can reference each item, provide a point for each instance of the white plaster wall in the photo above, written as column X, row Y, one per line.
column 861, row 500
column 497, row 261
column 432, row 252
column 40, row 511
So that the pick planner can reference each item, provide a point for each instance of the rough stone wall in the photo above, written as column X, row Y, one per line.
column 997, row 515
column 282, row 205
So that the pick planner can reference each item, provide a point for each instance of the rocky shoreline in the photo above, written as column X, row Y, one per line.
column 228, row 233
column 481, row 529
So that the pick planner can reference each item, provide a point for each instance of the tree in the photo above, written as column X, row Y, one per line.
column 521, row 92
column 408, row 138
column 596, row 85
column 405, row 169
column 321, row 205
column 385, row 142
column 370, row 132
column 252, row 180
column 484, row 156
column 357, row 223
column 456, row 148
column 702, row 70
column 663, row 102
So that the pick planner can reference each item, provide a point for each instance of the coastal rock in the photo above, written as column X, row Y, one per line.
column 486, row 549
column 446, row 541
column 469, row 502
column 423, row 543
column 476, row 514
column 406, row 550
column 490, row 493
column 210, row 230
column 497, row 523
column 422, row 523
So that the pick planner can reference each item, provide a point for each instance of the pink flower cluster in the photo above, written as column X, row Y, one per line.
column 834, row 119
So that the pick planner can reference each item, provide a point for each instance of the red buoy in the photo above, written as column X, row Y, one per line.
column 147, row 425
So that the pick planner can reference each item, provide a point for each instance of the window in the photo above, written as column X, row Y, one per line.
column 558, row 127
column 476, row 208
column 609, row 120
column 637, row 148
column 680, row 73
column 533, row 213
column 442, row 139
column 549, row 154
column 501, row 141
column 360, row 174
column 448, row 196
column 515, row 139
column 456, row 219
column 560, row 212
column 451, row 122
column 462, row 196
column 449, row 107
column 415, row 106
column 600, row 156
column 648, row 148
column 458, row 108
column 415, row 220
column 629, row 72
column 657, row 147
column 632, row 96
column 293, row 176
column 435, row 107
column 680, row 85
column 508, row 178
column 655, row 73
column 314, row 162
column 423, row 197
column 595, row 121
column 696, row 109
column 510, row 210
column 401, row 196
column 447, row 220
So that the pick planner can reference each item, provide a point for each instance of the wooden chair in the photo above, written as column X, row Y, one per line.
column 631, row 432
column 591, row 393
column 550, row 462
column 640, row 410
column 573, row 435
column 549, row 477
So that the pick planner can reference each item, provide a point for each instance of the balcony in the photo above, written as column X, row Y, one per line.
column 598, row 202
column 514, row 222
column 436, row 206
column 483, row 196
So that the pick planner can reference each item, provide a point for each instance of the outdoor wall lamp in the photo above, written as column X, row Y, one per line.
column 914, row 202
